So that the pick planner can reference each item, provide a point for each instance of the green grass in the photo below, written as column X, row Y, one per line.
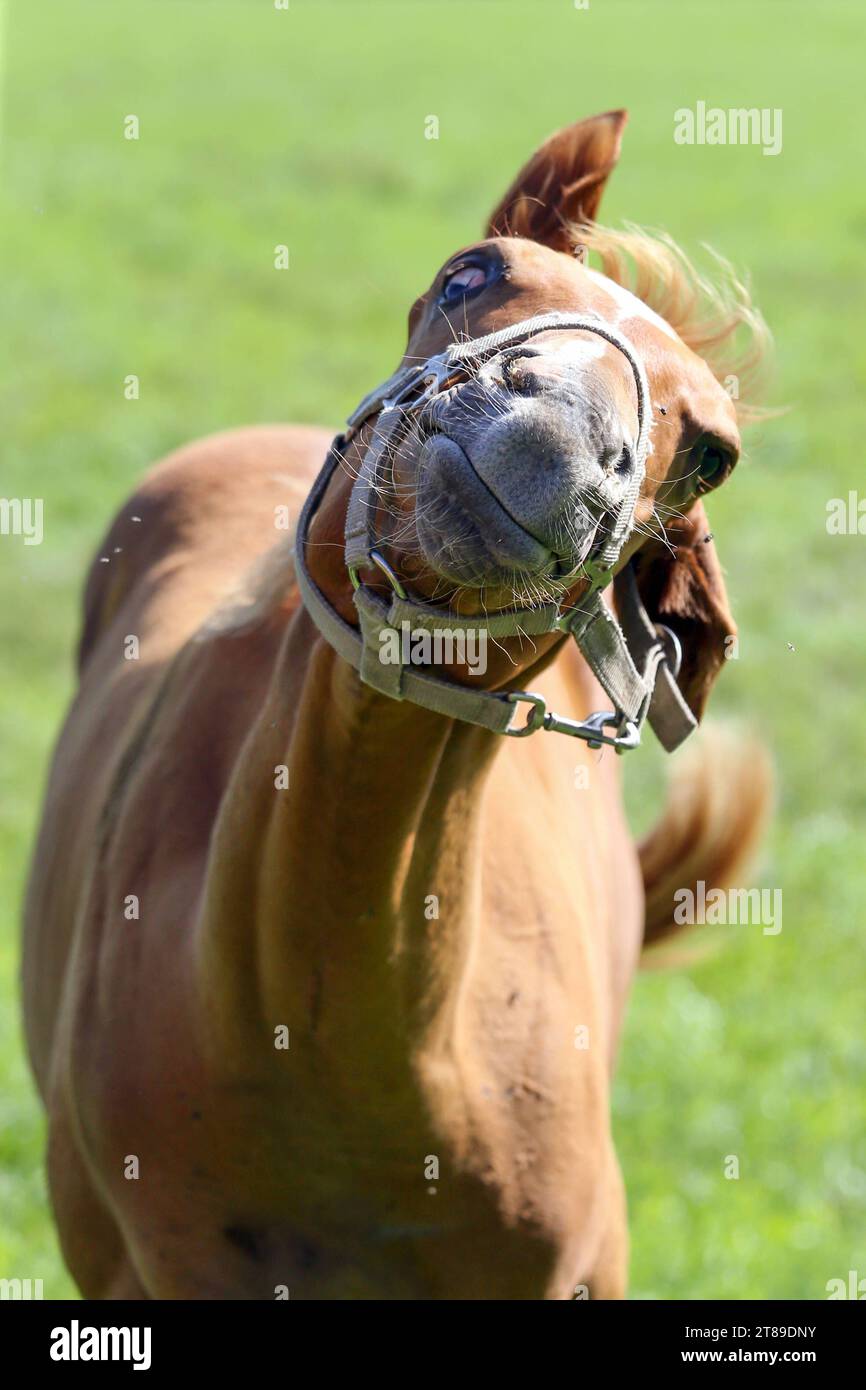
column 155, row 257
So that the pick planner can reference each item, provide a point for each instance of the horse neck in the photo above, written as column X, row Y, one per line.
column 351, row 890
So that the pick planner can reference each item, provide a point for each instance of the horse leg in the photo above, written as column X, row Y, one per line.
column 609, row 1279
column 91, row 1240
column 595, row 1265
column 126, row 1285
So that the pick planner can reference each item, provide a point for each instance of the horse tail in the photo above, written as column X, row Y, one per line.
column 717, row 806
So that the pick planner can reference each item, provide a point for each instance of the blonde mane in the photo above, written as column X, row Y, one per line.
column 715, row 318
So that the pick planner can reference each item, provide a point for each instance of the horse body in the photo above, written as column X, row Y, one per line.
column 322, row 989
column 332, row 1137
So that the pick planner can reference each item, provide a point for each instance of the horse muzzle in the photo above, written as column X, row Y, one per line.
column 518, row 485
column 467, row 535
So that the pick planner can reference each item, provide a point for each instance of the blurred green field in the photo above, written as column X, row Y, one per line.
column 155, row 257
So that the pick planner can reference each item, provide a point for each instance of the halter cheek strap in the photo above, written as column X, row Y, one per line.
column 636, row 667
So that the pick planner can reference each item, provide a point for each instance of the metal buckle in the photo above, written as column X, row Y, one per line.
column 431, row 374
column 381, row 563
column 675, row 648
column 535, row 719
column 627, row 734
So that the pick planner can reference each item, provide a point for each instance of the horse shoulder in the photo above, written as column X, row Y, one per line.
column 198, row 519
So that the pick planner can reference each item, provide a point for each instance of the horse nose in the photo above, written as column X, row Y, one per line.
column 555, row 453
column 560, row 382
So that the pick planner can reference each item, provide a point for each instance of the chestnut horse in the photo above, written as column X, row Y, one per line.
column 323, row 986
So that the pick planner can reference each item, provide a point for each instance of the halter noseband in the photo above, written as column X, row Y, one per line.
column 637, row 667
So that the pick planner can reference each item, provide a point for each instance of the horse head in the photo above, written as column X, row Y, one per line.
column 545, row 424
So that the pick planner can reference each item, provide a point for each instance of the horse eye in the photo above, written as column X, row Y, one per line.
column 464, row 281
column 714, row 466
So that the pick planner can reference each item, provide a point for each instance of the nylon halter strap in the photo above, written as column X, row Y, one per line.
column 635, row 664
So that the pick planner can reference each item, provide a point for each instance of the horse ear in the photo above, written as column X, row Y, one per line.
column 563, row 182
column 682, row 587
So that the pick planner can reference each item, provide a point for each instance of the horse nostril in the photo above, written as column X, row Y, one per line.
column 625, row 463
column 513, row 374
column 526, row 375
column 616, row 465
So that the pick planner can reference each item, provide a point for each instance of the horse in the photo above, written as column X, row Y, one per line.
column 326, row 955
